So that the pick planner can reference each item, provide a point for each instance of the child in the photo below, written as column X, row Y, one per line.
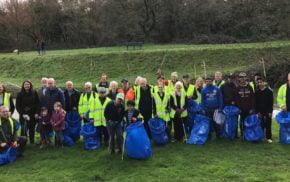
column 57, row 122
column 131, row 114
column 44, row 127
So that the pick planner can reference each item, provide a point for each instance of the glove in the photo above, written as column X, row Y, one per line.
column 26, row 117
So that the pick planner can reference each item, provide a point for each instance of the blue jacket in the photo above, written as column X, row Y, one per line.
column 211, row 98
column 52, row 96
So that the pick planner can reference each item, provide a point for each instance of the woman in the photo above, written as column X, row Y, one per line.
column 27, row 102
column 113, row 90
column 6, row 99
column 197, row 90
column 178, row 114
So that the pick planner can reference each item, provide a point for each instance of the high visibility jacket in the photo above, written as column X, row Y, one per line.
column 190, row 90
column 6, row 99
column 281, row 96
column 166, row 89
column 137, row 90
column 11, row 124
column 171, row 87
column 198, row 99
column 220, row 84
column 253, row 86
column 97, row 111
column 85, row 103
column 182, row 103
column 161, row 106
column 107, row 89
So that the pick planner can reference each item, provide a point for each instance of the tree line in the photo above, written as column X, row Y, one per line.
column 92, row 23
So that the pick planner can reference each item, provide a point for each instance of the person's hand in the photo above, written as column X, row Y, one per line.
column 3, row 144
column 15, row 144
column 74, row 109
column 134, row 119
column 82, row 116
column 36, row 116
column 233, row 103
column 156, row 115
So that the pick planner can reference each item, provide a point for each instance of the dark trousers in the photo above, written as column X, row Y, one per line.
column 22, row 144
column 103, row 134
column 28, row 126
column 213, row 125
column 115, row 129
column 267, row 125
column 44, row 133
column 146, row 118
column 168, row 129
column 58, row 138
column 178, row 127
column 243, row 116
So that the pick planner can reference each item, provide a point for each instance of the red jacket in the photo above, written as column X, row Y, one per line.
column 57, row 120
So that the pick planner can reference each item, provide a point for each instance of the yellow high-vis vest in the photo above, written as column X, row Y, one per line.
column 161, row 106
column 85, row 103
column 11, row 124
column 182, row 103
column 97, row 111
column 221, row 83
column 281, row 96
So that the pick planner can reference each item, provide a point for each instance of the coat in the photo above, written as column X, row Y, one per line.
column 57, row 120
column 52, row 96
column 72, row 100
column 27, row 103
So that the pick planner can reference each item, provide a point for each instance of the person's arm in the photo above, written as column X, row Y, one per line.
column 62, row 99
column 12, row 106
column 202, row 104
column 18, row 104
column 154, row 107
column 77, row 98
column 107, row 112
column 172, row 105
column 14, row 137
column 271, row 102
column 220, row 97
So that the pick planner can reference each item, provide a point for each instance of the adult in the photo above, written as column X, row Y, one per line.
column 178, row 114
column 85, row 101
column 143, row 102
column 264, row 107
column 6, row 99
column 71, row 96
column 245, row 99
column 218, row 79
column 27, row 104
column 53, row 94
column 103, row 83
column 254, row 84
column 113, row 90
column 187, row 86
column 8, row 132
column 228, row 90
column 126, row 90
column 97, row 112
column 41, row 91
column 212, row 100
column 197, row 90
column 171, row 83
column 114, row 114
column 283, row 97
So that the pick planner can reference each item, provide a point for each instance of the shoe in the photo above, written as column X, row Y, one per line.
column 270, row 141
column 112, row 152
column 42, row 146
column 173, row 140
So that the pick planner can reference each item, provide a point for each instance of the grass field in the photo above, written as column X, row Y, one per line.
column 217, row 160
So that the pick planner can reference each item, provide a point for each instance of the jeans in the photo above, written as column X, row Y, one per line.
column 59, row 138
column 115, row 129
column 267, row 125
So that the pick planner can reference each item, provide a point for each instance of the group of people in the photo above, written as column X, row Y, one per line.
column 111, row 107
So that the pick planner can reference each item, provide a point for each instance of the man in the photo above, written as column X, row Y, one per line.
column 211, row 99
column 97, row 116
column 85, row 101
column 264, row 107
column 218, row 79
column 53, row 94
column 126, row 90
column 245, row 99
column 188, row 88
column 114, row 114
column 171, row 83
column 143, row 102
column 254, row 84
column 161, row 107
column 8, row 132
column 228, row 90
column 42, row 90
column 72, row 97
column 283, row 97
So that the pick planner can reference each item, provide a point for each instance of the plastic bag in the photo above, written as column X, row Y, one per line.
column 9, row 156
column 91, row 136
column 200, row 130
column 253, row 131
column 157, row 128
column 230, row 126
column 219, row 117
column 283, row 118
column 73, row 127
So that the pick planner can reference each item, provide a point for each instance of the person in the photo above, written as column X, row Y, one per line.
column 161, row 108
column 187, row 86
column 42, row 47
column 254, row 84
column 178, row 114
column 27, row 103
column 6, row 99
column 218, row 79
column 211, row 100
column 113, row 90
column 44, row 127
column 197, row 90
column 143, row 102
column 71, row 96
column 103, row 83
column 126, row 90
column 41, row 92
column 283, row 97
column 264, row 107
column 58, row 124
column 114, row 114
column 137, row 83
column 228, row 90
column 131, row 114
column 245, row 99
column 96, row 115
column 53, row 94
column 171, row 83
column 85, row 101
column 38, row 47
column 8, row 132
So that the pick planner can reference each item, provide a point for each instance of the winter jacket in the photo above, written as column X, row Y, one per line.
column 52, row 96
column 57, row 120
column 228, row 90
column 245, row 98
column 72, row 100
column 27, row 103
column 264, row 101
column 211, row 98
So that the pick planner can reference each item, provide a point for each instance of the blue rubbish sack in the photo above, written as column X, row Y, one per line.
column 9, row 156
column 72, row 129
column 157, row 127
column 17, row 125
column 253, row 131
column 91, row 136
column 193, row 109
column 283, row 118
column 137, row 143
column 68, row 141
column 200, row 130
column 230, row 126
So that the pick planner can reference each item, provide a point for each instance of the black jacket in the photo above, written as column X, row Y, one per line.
column 5, row 129
column 112, row 95
column 229, row 93
column 264, row 101
column 27, row 103
column 72, row 100
column 145, row 102
column 52, row 96
column 114, row 113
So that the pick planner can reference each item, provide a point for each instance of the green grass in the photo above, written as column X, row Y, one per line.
column 217, row 160
column 81, row 65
